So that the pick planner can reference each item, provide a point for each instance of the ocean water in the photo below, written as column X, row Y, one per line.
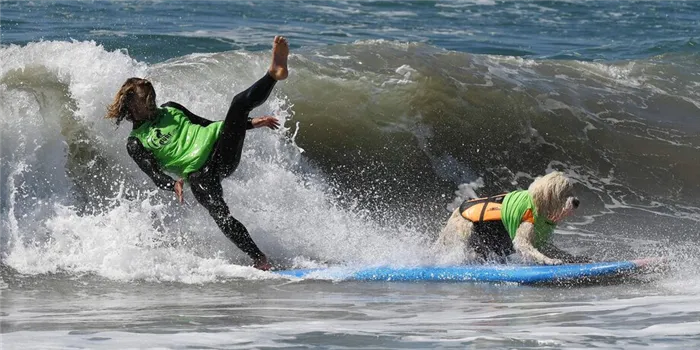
column 393, row 113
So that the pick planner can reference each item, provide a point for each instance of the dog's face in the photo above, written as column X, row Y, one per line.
column 571, row 204
column 553, row 195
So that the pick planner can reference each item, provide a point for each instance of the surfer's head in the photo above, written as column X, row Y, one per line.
column 553, row 196
column 135, row 101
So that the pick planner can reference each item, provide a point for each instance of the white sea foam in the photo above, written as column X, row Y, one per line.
column 282, row 201
column 464, row 3
column 394, row 14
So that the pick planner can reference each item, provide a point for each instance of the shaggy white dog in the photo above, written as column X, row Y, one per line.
column 520, row 221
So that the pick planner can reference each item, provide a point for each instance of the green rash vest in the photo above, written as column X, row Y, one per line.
column 180, row 146
column 514, row 206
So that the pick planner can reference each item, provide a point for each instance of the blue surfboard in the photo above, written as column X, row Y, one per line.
column 524, row 274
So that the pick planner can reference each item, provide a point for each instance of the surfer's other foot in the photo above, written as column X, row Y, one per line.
column 280, row 51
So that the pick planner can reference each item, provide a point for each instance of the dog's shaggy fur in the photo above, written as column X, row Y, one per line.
column 553, row 198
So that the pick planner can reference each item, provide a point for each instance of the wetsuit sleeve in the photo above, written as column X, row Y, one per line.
column 195, row 119
column 148, row 163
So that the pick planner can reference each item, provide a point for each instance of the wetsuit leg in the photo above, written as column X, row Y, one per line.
column 227, row 151
column 206, row 188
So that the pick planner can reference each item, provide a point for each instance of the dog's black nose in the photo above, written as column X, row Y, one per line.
column 575, row 203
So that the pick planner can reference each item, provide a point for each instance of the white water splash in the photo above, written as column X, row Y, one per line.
column 283, row 201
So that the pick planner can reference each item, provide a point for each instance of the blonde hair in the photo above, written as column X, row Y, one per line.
column 119, row 109
column 550, row 193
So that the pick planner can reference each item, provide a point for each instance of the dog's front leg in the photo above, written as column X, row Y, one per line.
column 523, row 243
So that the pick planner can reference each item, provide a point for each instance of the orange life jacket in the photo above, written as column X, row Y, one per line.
column 488, row 209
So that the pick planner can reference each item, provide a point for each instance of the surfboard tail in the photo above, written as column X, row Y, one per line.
column 655, row 264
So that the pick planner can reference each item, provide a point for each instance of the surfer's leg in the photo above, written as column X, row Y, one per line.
column 228, row 150
column 207, row 189
column 227, row 153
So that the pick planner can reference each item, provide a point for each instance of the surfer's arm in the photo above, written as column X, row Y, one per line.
column 148, row 164
column 195, row 119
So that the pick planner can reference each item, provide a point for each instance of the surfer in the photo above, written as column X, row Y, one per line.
column 173, row 139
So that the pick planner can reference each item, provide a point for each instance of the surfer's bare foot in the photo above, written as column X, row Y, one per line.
column 262, row 264
column 280, row 51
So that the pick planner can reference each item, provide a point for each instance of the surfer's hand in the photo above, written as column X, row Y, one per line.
column 268, row 120
column 178, row 191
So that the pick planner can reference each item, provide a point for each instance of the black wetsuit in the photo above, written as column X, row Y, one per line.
column 205, row 183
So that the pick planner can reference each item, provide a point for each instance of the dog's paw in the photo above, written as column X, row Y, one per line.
column 550, row 261
column 579, row 260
